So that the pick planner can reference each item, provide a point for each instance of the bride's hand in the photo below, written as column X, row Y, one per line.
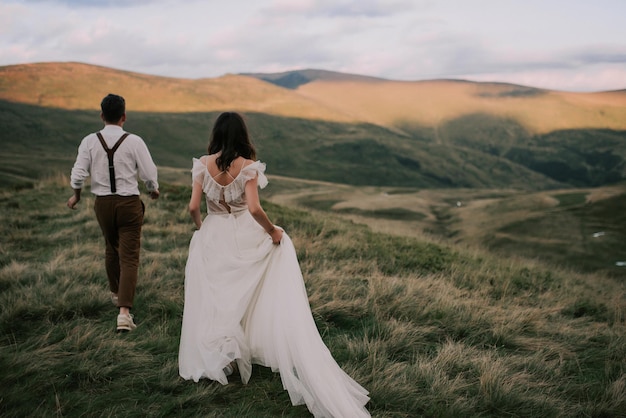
column 277, row 235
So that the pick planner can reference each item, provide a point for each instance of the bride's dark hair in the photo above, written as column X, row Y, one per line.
column 230, row 137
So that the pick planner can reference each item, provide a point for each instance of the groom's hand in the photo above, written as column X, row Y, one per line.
column 73, row 201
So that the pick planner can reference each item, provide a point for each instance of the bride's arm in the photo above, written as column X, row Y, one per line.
column 194, row 204
column 257, row 212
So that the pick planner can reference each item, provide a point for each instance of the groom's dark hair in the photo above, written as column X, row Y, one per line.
column 113, row 108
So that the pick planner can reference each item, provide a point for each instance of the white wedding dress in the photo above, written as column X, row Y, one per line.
column 245, row 300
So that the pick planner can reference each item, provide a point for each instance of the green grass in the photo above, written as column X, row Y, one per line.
column 387, row 213
column 430, row 330
column 571, row 199
column 566, row 236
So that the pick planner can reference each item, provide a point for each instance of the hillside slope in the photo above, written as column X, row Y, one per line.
column 429, row 330
column 316, row 94
column 294, row 79
column 38, row 141
column 337, row 128
column 75, row 86
column 405, row 105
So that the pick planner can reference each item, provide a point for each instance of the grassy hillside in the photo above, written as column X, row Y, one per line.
column 476, row 151
column 294, row 79
column 81, row 86
column 580, row 157
column 448, row 142
column 430, row 330
column 320, row 95
column 337, row 127
column 434, row 103
column 584, row 235
column 44, row 140
column 578, row 229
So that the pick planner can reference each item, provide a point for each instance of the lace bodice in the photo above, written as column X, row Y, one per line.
column 234, row 193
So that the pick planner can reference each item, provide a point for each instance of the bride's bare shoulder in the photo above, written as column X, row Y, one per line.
column 247, row 162
column 206, row 158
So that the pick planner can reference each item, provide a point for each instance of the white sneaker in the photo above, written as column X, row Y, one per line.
column 114, row 298
column 228, row 370
column 125, row 322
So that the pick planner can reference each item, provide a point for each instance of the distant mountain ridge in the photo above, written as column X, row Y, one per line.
column 296, row 78
column 81, row 86
column 317, row 95
column 335, row 127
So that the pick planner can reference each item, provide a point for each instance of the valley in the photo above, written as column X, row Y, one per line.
column 520, row 171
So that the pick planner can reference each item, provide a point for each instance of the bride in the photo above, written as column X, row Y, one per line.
column 245, row 300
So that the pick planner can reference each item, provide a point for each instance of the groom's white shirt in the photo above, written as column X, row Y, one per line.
column 132, row 158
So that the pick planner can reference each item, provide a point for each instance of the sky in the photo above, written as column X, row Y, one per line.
column 570, row 45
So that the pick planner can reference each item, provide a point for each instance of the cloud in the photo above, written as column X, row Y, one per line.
column 340, row 8
column 599, row 54
column 95, row 4
column 593, row 78
column 394, row 39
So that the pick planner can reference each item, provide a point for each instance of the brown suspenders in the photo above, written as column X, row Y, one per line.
column 110, row 153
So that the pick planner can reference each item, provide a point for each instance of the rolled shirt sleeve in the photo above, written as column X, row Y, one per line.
column 80, row 170
column 146, row 168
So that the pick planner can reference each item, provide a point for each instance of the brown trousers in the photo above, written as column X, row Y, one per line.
column 120, row 219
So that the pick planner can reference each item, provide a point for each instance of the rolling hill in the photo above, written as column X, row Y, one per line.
column 431, row 103
column 294, row 79
column 38, row 141
column 74, row 86
column 410, row 105
column 431, row 329
column 394, row 155
column 318, row 95
column 333, row 127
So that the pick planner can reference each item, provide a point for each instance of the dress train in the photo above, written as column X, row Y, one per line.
column 245, row 300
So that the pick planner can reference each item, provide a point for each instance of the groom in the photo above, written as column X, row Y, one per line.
column 114, row 158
